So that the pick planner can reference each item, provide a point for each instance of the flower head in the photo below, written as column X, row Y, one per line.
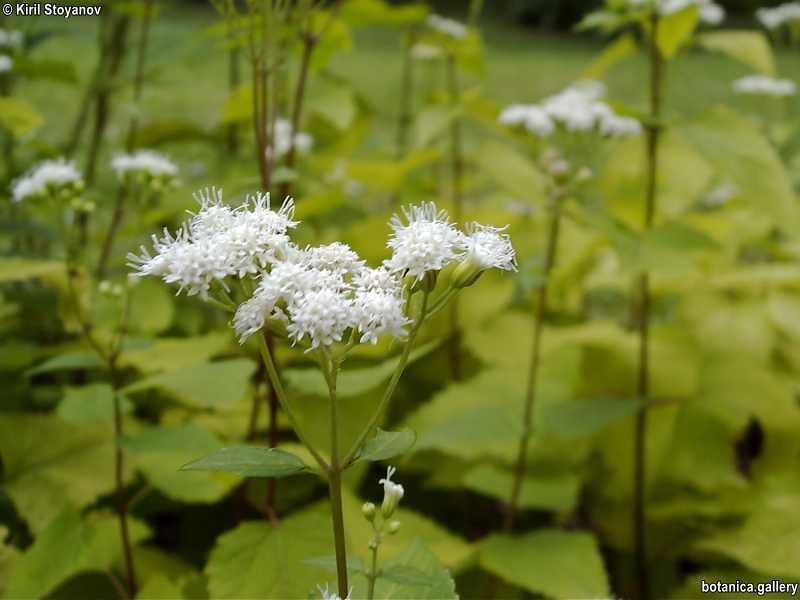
column 448, row 27
column 326, row 595
column 219, row 242
column 761, row 84
column 147, row 162
column 11, row 39
column 6, row 63
column 576, row 109
column 392, row 493
column 50, row 176
column 284, row 140
column 489, row 247
column 773, row 18
column 426, row 242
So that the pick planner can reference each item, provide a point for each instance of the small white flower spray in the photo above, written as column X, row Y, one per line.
column 322, row 299
column 382, row 523
column 575, row 115
column 651, row 18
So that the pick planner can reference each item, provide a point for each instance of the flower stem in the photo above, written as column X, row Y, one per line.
column 335, row 483
column 351, row 454
column 373, row 571
column 643, row 384
column 266, row 355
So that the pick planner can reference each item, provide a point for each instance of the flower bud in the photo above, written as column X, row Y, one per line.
column 427, row 283
column 467, row 273
column 394, row 527
column 368, row 510
column 392, row 494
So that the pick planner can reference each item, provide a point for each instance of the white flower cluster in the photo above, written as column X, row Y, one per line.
column 772, row 18
column 577, row 108
column 11, row 39
column 6, row 63
column 327, row 595
column 761, row 84
column 449, row 27
column 709, row 11
column 283, row 139
column 219, row 242
column 147, row 162
column 322, row 293
column 48, row 177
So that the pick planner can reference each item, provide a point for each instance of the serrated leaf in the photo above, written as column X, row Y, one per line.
column 408, row 576
column 354, row 564
column 387, row 444
column 249, row 462
column 557, row 564
column 69, row 545
column 49, row 464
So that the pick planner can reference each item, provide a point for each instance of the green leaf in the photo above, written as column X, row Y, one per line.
column 71, row 361
column 514, row 172
column 18, row 117
column 89, row 403
column 676, row 29
column 21, row 269
column 745, row 158
column 407, row 575
column 212, row 385
column 171, row 354
column 354, row 564
column 334, row 102
column 749, row 47
column 430, row 123
column 249, row 462
column 618, row 50
column 551, row 562
column 377, row 12
column 68, row 546
column 585, row 416
column 151, row 307
column 387, row 444
column 49, row 464
column 551, row 492
column 766, row 542
column 160, row 452
column 54, row 70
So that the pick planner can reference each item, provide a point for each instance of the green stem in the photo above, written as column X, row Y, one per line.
column 350, row 456
column 373, row 571
column 272, row 373
column 330, row 370
column 643, row 384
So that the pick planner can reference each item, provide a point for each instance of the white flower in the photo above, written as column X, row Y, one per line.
column 577, row 109
column 144, row 161
column 761, row 84
column 49, row 175
column 720, row 195
column 378, row 312
column 489, row 248
column 219, row 242
column 337, row 257
column 392, row 493
column 6, row 64
column 448, row 27
column 283, row 139
column 428, row 242
column 326, row 595
column 422, row 51
column 11, row 39
column 323, row 315
column 534, row 118
column 772, row 18
column 709, row 11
